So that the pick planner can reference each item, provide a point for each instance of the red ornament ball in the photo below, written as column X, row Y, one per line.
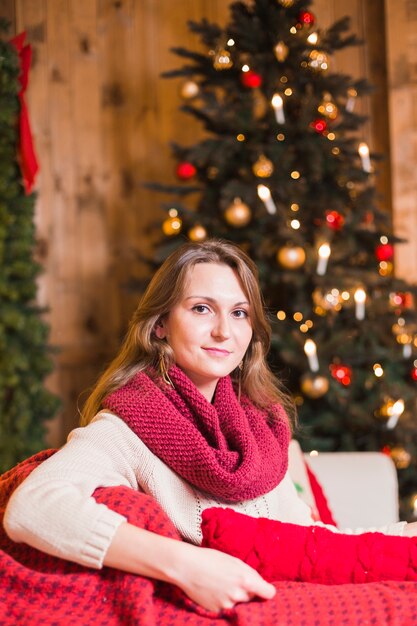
column 319, row 125
column 401, row 299
column 251, row 79
column 334, row 220
column 185, row 170
column 384, row 252
column 342, row 373
column 306, row 18
column 414, row 373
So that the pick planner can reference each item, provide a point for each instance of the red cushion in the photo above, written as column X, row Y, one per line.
column 281, row 551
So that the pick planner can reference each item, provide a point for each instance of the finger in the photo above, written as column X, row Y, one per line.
column 264, row 589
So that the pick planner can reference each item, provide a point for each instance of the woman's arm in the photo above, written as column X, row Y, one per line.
column 211, row 578
column 53, row 509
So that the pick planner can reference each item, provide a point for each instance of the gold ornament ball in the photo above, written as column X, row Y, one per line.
column 172, row 226
column 263, row 168
column 281, row 51
column 212, row 172
column 286, row 3
column 314, row 386
column 291, row 257
column 386, row 409
column 327, row 108
column 197, row 233
column 189, row 90
column 260, row 104
column 238, row 214
column 318, row 61
column 401, row 457
column 222, row 60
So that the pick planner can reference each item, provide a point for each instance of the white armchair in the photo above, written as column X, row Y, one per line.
column 361, row 487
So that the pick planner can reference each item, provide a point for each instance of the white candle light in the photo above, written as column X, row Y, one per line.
column 311, row 352
column 360, row 299
column 395, row 413
column 364, row 154
column 324, row 253
column 278, row 105
column 351, row 101
column 407, row 349
column 313, row 38
column 265, row 195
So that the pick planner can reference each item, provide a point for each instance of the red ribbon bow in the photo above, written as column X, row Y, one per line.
column 28, row 161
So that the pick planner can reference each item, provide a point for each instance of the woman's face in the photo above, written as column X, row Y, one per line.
column 210, row 328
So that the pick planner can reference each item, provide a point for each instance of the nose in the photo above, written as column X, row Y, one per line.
column 221, row 327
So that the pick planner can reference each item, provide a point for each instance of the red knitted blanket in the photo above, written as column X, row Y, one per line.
column 40, row 590
column 229, row 449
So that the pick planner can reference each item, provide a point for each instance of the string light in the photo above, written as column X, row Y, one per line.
column 378, row 371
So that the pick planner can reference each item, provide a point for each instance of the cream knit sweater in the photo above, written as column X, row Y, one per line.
column 53, row 509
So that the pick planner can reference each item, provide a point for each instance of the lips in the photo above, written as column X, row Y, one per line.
column 217, row 351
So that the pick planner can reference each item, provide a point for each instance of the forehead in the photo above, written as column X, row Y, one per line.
column 215, row 280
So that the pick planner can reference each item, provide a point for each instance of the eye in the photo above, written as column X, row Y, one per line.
column 200, row 308
column 240, row 314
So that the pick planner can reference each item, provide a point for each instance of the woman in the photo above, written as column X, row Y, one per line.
column 188, row 412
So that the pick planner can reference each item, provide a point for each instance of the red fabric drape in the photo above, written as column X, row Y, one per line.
column 27, row 157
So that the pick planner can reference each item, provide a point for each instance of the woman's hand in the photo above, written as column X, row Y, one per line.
column 209, row 577
column 218, row 581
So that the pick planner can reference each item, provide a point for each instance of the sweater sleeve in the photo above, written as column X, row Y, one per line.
column 53, row 509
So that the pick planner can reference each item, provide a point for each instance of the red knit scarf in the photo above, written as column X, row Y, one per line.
column 231, row 450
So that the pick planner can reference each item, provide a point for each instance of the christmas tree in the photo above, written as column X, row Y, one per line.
column 284, row 172
column 24, row 362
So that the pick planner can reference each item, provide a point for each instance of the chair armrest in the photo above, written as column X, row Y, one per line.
column 361, row 487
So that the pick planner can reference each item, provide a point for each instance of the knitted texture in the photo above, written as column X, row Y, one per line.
column 231, row 450
column 281, row 551
column 40, row 590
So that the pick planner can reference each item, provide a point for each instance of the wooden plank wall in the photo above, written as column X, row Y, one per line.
column 401, row 27
column 102, row 120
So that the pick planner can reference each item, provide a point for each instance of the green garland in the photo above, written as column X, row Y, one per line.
column 24, row 362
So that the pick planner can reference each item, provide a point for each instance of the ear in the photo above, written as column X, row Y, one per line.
column 160, row 331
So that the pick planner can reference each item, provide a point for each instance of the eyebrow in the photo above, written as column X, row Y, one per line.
column 209, row 299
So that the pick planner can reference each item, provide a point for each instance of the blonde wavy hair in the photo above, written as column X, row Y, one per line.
column 141, row 347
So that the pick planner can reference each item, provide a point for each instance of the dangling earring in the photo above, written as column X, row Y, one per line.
column 163, row 371
column 239, row 381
